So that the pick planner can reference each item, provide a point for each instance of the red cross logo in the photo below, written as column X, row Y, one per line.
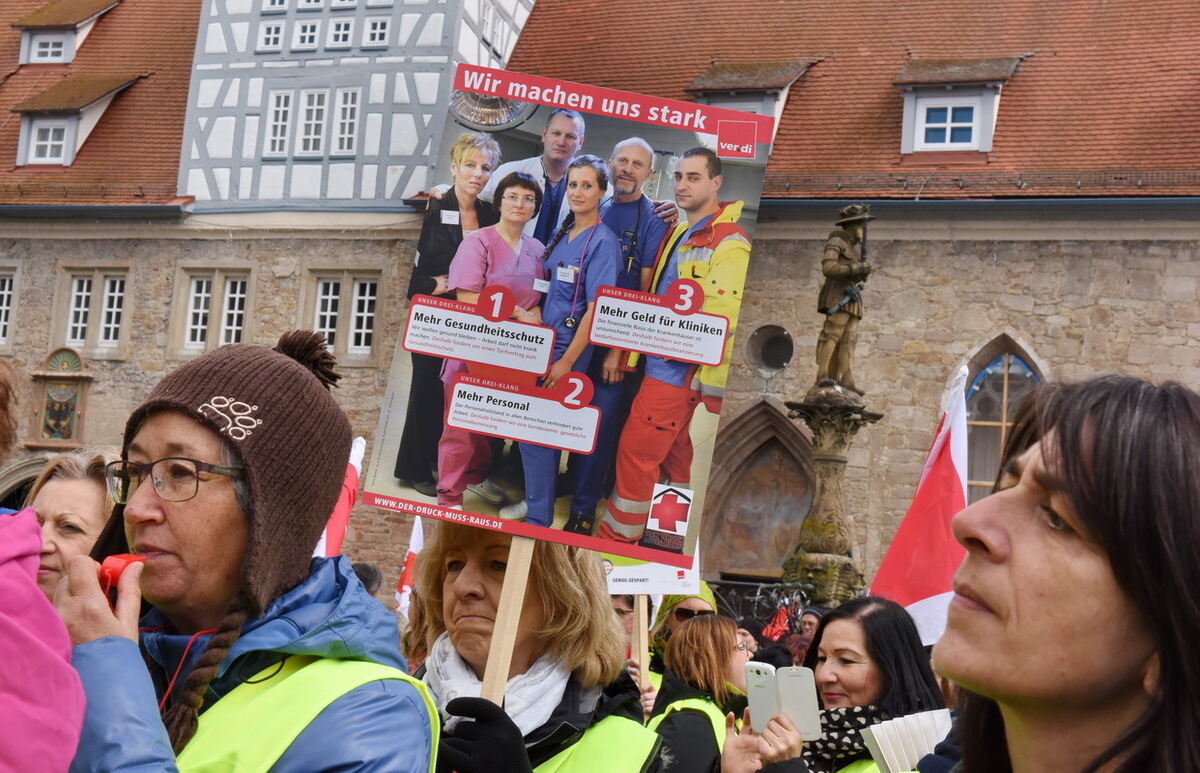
column 669, row 511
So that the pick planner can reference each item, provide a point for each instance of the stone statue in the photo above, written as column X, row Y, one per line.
column 844, row 264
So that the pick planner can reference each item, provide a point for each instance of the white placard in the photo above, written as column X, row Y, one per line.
column 522, row 416
column 464, row 335
column 651, row 328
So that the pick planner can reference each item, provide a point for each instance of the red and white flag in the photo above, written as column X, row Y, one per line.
column 920, row 563
column 408, row 575
column 330, row 543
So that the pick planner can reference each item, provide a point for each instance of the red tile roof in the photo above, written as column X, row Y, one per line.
column 748, row 76
column 74, row 94
column 64, row 13
column 1105, row 102
column 132, row 156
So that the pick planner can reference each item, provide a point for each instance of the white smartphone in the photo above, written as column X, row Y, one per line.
column 762, row 693
column 798, row 699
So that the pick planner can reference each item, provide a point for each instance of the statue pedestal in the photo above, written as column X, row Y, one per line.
column 822, row 556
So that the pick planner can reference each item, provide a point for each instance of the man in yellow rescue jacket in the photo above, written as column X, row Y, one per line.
column 711, row 249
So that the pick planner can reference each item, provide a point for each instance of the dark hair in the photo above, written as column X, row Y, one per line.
column 518, row 180
column 572, row 114
column 601, row 169
column 894, row 644
column 714, row 163
column 1127, row 452
column 774, row 654
column 626, row 598
column 369, row 575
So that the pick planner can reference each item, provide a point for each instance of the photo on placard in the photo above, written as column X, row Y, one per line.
column 572, row 313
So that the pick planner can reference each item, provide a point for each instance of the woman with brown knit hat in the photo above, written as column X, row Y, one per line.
column 254, row 658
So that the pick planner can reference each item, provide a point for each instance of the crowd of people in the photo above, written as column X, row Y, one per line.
column 229, row 647
column 1067, row 645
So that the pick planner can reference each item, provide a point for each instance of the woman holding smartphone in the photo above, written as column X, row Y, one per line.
column 869, row 667
column 582, row 257
column 704, row 680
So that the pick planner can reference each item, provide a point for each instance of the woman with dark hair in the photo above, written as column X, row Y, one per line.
column 870, row 667
column 448, row 219
column 704, row 680
column 1096, row 518
column 582, row 257
column 497, row 255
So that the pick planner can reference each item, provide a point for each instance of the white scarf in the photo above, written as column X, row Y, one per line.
column 529, row 698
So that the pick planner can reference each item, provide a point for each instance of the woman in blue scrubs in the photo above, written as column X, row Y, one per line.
column 583, row 256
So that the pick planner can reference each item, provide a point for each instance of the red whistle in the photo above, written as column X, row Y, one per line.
column 111, row 568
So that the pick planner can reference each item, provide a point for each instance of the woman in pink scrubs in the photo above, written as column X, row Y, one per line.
column 497, row 255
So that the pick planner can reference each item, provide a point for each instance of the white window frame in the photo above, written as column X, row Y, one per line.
column 370, row 29
column 79, row 309
column 212, row 307
column 35, row 41
column 343, row 3
column 299, row 31
column 274, row 6
column 331, row 40
column 279, row 30
column 112, row 309
column 309, row 5
column 351, row 313
column 311, row 132
column 278, row 124
column 235, row 303
column 95, row 305
column 36, row 125
column 949, row 103
column 8, row 304
column 199, row 304
column 379, row 3
column 363, row 314
column 347, row 113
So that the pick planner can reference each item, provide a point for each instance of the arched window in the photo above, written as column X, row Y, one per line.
column 992, row 400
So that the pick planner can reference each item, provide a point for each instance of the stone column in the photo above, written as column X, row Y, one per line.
column 822, row 558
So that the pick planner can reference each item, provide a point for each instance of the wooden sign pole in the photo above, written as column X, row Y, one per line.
column 504, row 633
column 641, row 640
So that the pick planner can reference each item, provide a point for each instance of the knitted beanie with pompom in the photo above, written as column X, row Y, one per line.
column 275, row 408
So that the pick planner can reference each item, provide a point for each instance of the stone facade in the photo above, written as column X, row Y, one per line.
column 1076, row 289
column 1079, row 289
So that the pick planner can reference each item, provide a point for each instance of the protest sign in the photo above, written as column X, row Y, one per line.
column 577, row 372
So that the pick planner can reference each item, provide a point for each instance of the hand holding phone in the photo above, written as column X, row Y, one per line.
column 791, row 691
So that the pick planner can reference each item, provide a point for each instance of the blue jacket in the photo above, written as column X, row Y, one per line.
column 381, row 726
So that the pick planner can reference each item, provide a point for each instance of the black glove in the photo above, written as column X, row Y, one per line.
column 491, row 744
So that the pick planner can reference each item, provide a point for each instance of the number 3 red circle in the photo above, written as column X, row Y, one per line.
column 685, row 296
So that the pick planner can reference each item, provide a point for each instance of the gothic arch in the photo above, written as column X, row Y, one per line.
column 1006, row 341
column 759, row 492
column 20, row 472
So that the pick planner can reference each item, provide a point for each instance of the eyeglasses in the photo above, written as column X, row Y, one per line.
column 522, row 201
column 175, row 479
column 682, row 615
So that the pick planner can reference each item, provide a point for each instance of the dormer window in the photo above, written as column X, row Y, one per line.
column 948, row 123
column 753, row 87
column 53, row 33
column 48, row 47
column 56, row 122
column 952, row 104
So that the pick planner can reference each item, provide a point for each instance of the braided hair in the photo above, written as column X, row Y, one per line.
column 601, row 169
column 182, row 716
